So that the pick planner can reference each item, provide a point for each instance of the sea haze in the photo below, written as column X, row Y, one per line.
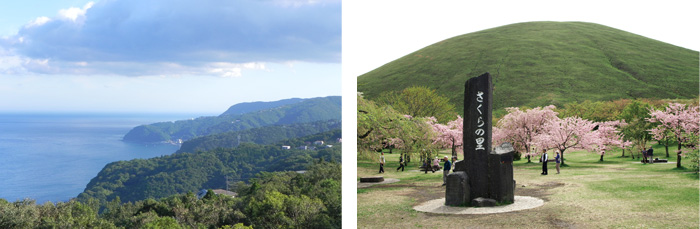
column 52, row 157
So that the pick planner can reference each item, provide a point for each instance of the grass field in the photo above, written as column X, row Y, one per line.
column 617, row 193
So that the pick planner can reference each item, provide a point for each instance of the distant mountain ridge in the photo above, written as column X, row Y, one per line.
column 241, row 117
column 542, row 63
column 261, row 135
column 247, row 107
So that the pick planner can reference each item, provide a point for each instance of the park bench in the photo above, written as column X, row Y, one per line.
column 430, row 168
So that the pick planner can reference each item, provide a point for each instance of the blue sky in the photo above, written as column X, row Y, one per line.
column 165, row 56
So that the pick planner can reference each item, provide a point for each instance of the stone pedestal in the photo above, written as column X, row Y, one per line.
column 501, row 183
column 457, row 190
column 483, row 202
column 460, row 165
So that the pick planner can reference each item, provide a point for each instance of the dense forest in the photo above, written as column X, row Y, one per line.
column 270, row 200
column 264, row 136
column 163, row 176
column 303, row 111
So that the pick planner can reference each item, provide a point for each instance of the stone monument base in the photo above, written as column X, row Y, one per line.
column 438, row 206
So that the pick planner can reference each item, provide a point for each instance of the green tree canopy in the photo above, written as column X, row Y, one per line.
column 419, row 102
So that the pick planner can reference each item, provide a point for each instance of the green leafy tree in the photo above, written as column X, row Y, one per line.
column 420, row 102
column 636, row 115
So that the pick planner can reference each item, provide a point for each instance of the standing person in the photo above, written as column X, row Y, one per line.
column 446, row 170
column 544, row 162
column 381, row 163
column 644, row 153
column 557, row 160
column 650, row 153
column 400, row 163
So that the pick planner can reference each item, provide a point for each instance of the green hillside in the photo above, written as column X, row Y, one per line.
column 262, row 114
column 243, row 108
column 262, row 136
column 541, row 63
column 159, row 177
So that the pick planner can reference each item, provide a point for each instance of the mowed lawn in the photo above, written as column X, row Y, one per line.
column 617, row 193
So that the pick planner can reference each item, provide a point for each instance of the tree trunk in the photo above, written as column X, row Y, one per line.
column 678, row 162
column 632, row 153
column 623, row 152
column 527, row 151
column 666, row 145
column 562, row 157
column 454, row 149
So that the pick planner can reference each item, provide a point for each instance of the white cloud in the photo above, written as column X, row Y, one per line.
column 75, row 13
column 226, row 72
column 38, row 22
column 160, row 37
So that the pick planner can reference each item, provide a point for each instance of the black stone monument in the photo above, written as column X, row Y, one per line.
column 483, row 178
column 477, row 132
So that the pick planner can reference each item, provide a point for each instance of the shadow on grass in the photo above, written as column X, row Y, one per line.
column 598, row 162
column 422, row 177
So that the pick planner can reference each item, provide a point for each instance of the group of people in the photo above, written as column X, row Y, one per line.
column 447, row 166
column 545, row 158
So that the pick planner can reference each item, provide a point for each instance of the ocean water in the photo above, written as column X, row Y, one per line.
column 52, row 157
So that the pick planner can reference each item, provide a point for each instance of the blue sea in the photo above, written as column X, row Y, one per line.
column 52, row 157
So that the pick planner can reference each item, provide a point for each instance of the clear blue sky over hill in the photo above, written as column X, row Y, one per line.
column 165, row 56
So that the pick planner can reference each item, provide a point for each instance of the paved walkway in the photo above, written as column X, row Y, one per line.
column 367, row 184
column 438, row 206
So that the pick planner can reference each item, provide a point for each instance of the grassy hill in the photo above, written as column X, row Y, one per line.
column 541, row 63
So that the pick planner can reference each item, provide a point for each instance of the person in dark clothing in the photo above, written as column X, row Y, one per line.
column 446, row 170
column 544, row 162
column 401, row 164
column 644, row 153
column 650, row 153
column 557, row 160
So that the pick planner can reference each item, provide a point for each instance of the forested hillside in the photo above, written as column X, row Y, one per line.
column 271, row 200
column 544, row 63
column 266, row 135
column 160, row 177
column 307, row 110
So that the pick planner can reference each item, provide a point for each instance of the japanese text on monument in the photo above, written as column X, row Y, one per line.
column 480, row 122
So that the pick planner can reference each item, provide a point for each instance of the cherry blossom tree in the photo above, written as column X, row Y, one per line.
column 679, row 119
column 448, row 136
column 567, row 133
column 521, row 127
column 607, row 135
column 625, row 144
